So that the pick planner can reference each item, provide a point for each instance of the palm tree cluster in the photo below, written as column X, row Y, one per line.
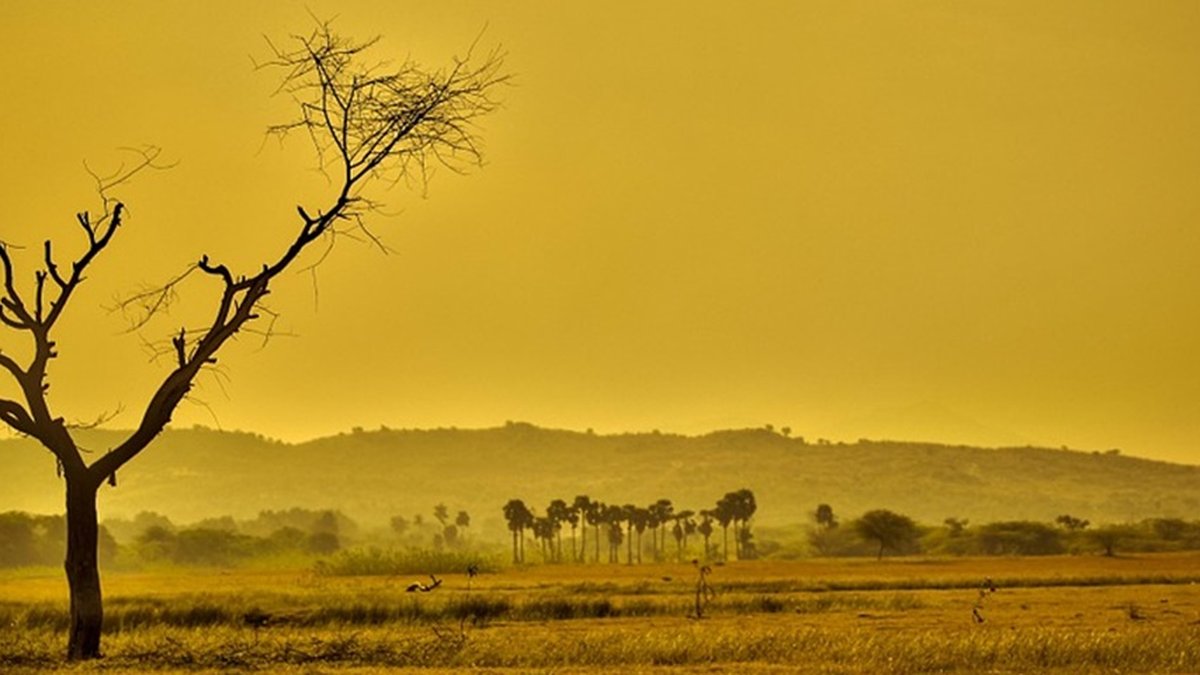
column 639, row 530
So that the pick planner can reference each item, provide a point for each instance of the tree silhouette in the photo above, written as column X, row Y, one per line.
column 641, row 519
column 891, row 530
column 595, row 517
column 367, row 122
column 725, row 514
column 1071, row 523
column 613, row 517
column 543, row 533
column 581, row 507
column 519, row 517
column 955, row 526
column 685, row 518
column 825, row 517
column 399, row 525
column 627, row 524
column 705, row 528
column 557, row 513
column 744, row 507
column 679, row 534
column 660, row 512
column 629, row 514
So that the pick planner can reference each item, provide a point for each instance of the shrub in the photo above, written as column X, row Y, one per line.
column 1019, row 537
column 375, row 561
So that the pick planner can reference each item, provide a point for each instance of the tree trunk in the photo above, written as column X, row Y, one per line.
column 83, row 576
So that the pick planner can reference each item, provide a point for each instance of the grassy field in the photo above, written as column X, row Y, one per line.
column 1058, row 614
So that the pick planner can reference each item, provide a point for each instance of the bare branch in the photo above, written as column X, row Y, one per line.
column 12, row 299
column 15, row 416
column 379, row 120
column 365, row 121
column 100, row 420
column 143, row 306
column 180, row 344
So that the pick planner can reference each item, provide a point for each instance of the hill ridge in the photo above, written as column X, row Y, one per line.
column 199, row 472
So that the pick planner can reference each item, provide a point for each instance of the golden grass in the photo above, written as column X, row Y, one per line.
column 1064, row 614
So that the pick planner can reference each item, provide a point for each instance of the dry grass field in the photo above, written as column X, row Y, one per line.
column 1056, row 614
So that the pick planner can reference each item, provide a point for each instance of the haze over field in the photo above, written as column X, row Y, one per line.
column 956, row 222
column 200, row 473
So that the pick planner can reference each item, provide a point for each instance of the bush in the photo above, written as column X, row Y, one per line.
column 386, row 562
column 1019, row 537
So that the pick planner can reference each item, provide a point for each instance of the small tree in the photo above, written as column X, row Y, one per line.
column 955, row 526
column 1109, row 537
column 888, row 529
column 441, row 513
column 824, row 516
column 1071, row 523
column 1019, row 537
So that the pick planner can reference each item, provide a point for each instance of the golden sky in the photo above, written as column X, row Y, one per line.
column 961, row 221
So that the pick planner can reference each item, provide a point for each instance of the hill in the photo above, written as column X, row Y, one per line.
column 372, row 475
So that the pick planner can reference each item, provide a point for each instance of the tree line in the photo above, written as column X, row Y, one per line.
column 639, row 529
column 881, row 531
column 28, row 540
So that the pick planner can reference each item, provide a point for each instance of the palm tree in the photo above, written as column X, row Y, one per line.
column 580, row 508
column 662, row 511
column 628, row 514
column 595, row 518
column 825, row 517
column 543, row 531
column 641, row 518
column 680, row 531
column 557, row 512
column 613, row 516
column 705, row 528
column 744, row 506
column 677, row 532
column 689, row 528
column 519, row 517
column 724, row 513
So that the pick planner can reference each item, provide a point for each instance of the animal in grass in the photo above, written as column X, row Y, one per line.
column 418, row 587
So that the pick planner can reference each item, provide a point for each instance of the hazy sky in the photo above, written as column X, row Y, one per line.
column 958, row 221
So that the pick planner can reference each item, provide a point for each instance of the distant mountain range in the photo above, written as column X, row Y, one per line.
column 373, row 475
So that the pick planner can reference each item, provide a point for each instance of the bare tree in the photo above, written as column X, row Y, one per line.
column 368, row 122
